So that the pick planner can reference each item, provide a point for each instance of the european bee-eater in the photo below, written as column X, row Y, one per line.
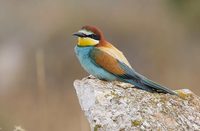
column 104, row 61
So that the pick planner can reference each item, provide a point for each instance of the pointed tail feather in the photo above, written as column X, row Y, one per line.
column 156, row 87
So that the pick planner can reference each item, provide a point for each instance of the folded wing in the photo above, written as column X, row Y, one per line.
column 119, row 66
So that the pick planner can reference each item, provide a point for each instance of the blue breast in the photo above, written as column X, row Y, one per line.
column 89, row 65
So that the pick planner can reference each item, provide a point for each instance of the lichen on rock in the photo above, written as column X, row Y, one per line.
column 115, row 106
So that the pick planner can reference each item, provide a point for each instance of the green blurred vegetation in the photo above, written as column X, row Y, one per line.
column 189, row 12
column 38, row 64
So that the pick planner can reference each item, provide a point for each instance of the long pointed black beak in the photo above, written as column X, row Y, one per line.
column 79, row 34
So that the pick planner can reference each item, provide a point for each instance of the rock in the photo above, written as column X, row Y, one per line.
column 116, row 106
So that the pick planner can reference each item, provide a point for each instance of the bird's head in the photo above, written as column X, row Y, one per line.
column 89, row 36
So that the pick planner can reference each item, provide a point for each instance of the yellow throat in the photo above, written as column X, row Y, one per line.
column 87, row 41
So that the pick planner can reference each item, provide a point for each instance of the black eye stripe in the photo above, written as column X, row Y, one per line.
column 94, row 36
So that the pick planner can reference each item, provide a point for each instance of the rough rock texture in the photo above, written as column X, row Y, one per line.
column 115, row 106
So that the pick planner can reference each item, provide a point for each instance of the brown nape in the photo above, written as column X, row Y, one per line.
column 95, row 30
column 104, row 43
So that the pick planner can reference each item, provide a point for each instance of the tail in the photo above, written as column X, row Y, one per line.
column 148, row 85
column 156, row 87
column 141, row 82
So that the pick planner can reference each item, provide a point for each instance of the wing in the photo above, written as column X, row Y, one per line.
column 124, row 72
column 113, row 65
column 106, row 61
column 114, row 52
column 116, row 67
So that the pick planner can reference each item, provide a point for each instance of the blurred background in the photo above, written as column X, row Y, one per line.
column 161, row 39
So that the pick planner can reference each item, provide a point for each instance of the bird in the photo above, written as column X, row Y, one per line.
column 104, row 61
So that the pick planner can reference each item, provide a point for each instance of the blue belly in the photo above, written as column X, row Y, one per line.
column 88, row 64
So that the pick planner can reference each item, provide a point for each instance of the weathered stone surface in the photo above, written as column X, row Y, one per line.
column 115, row 106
